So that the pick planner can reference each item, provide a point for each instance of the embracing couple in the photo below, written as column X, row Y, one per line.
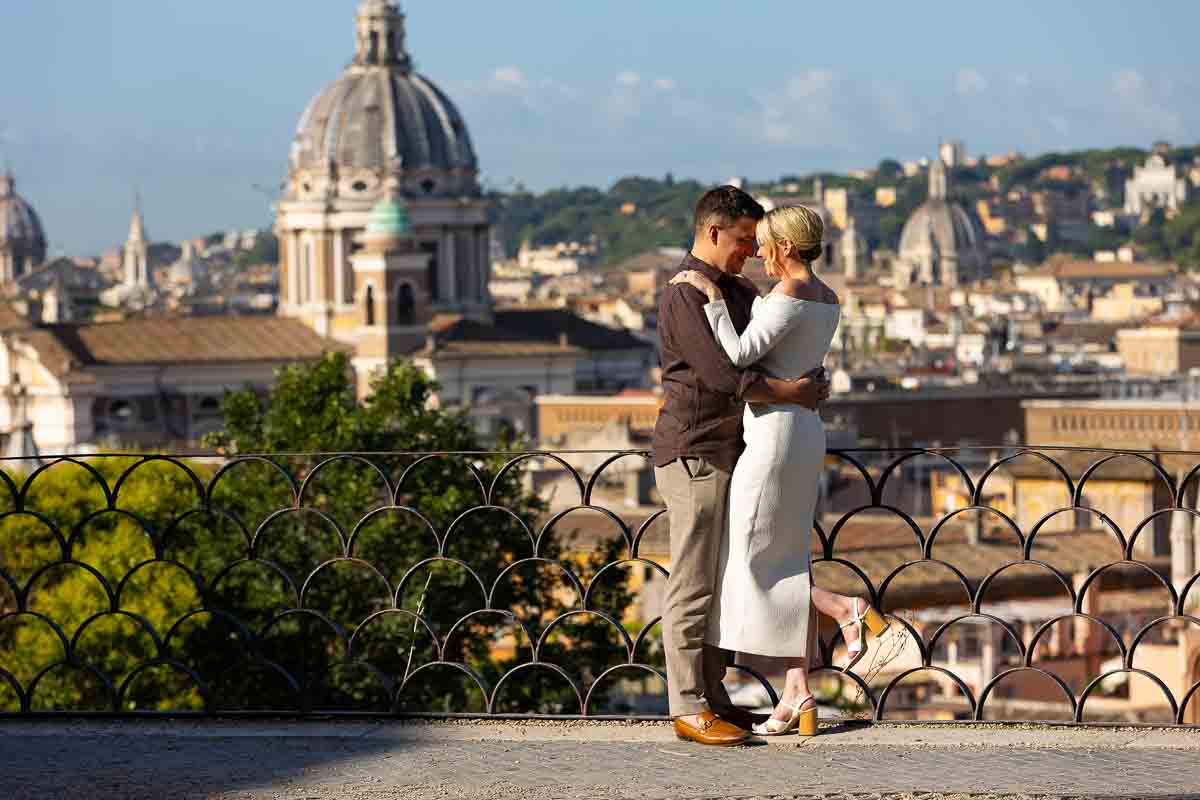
column 738, row 450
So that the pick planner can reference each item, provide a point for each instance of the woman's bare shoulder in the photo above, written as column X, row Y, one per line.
column 792, row 288
column 816, row 292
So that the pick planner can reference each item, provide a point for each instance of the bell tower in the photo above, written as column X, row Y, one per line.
column 136, row 261
column 392, row 290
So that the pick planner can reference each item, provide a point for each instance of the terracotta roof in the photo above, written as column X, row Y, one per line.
column 1108, row 270
column 548, row 325
column 1080, row 332
column 1076, row 463
column 649, row 260
column 458, row 337
column 186, row 340
column 879, row 547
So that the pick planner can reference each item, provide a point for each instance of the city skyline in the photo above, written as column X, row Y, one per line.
column 197, row 110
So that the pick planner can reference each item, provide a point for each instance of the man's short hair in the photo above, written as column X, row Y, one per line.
column 725, row 205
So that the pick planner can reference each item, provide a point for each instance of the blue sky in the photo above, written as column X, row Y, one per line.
column 195, row 103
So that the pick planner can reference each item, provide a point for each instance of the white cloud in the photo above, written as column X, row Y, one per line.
column 809, row 84
column 1145, row 105
column 801, row 112
column 511, row 76
column 665, row 84
column 1128, row 83
column 629, row 78
column 969, row 81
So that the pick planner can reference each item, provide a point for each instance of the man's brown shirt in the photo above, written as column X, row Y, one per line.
column 703, row 391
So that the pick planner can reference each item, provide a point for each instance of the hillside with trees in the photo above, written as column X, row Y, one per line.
column 637, row 214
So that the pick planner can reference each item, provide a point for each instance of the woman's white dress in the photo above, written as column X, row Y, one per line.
column 764, row 581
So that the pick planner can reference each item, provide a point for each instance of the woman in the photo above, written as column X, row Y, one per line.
column 764, row 589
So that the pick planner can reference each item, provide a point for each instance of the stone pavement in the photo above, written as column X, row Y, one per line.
column 358, row 760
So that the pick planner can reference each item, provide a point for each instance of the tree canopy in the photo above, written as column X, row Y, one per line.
column 375, row 578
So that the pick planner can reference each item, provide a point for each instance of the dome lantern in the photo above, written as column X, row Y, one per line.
column 381, row 36
column 939, row 180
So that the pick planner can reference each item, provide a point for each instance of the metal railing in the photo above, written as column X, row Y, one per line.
column 527, row 584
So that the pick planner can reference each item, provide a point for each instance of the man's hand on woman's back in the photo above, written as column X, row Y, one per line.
column 809, row 390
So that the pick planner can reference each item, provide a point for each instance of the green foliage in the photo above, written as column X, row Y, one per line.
column 162, row 253
column 662, row 210
column 265, row 251
column 294, row 555
column 313, row 409
column 1181, row 236
column 889, row 169
column 634, row 215
column 66, row 517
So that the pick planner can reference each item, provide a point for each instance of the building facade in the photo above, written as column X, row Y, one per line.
column 1155, row 184
column 1162, row 349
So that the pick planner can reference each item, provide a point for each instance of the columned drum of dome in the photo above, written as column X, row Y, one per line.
column 22, row 240
column 380, row 126
column 940, row 244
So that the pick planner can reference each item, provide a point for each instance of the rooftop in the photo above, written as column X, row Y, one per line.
column 185, row 340
column 1108, row 270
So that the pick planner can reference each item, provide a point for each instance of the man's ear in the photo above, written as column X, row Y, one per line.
column 714, row 231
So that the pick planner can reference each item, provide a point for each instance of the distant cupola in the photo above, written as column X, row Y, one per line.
column 940, row 245
column 22, row 240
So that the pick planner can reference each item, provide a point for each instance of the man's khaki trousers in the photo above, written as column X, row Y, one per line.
column 697, row 496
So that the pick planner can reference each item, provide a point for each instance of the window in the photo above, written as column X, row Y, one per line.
column 406, row 305
column 432, row 277
column 369, row 306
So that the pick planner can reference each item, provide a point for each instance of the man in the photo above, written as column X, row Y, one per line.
column 697, row 440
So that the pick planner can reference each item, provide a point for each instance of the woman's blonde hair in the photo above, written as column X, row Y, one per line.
column 799, row 225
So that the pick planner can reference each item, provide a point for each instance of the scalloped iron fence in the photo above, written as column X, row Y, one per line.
column 1023, row 584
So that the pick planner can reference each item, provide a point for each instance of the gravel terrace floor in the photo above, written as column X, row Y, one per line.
column 359, row 760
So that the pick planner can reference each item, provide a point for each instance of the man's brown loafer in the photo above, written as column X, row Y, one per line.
column 712, row 730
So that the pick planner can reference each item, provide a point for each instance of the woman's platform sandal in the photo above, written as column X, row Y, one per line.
column 803, row 719
column 875, row 622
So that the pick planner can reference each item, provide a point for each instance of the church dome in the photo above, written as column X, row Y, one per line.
column 22, row 239
column 380, row 118
column 19, row 223
column 940, row 240
column 947, row 223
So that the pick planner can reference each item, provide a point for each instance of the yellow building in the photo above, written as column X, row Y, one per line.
column 1125, row 302
column 1159, row 349
column 560, row 416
